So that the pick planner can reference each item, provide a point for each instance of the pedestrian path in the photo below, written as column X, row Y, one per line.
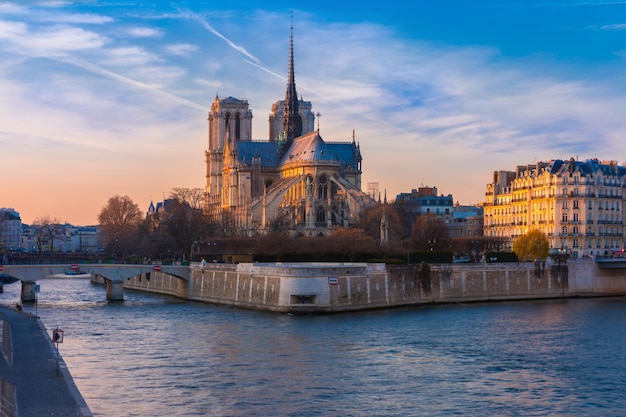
column 31, row 383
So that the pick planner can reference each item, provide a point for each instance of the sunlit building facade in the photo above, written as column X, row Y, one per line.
column 293, row 181
column 578, row 205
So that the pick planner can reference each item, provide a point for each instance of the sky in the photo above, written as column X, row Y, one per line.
column 105, row 98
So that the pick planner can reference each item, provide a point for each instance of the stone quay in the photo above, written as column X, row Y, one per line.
column 309, row 288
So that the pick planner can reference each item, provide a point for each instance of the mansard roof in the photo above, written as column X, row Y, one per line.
column 587, row 167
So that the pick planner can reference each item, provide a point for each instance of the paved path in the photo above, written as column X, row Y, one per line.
column 28, row 371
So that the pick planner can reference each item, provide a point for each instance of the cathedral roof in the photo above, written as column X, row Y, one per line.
column 306, row 148
column 247, row 150
column 311, row 147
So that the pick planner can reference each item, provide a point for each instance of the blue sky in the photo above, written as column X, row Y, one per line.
column 111, row 97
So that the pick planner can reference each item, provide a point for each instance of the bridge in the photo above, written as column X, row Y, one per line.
column 113, row 275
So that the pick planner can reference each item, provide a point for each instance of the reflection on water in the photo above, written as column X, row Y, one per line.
column 160, row 356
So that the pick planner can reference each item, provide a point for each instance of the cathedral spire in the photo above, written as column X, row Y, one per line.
column 292, row 125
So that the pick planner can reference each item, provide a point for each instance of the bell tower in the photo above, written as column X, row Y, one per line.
column 229, row 119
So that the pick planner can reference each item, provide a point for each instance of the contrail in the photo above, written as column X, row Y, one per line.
column 137, row 84
column 214, row 31
column 282, row 77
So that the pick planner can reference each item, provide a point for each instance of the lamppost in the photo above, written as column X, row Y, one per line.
column 195, row 244
column 115, row 250
column 474, row 250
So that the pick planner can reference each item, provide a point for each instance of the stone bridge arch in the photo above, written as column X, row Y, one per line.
column 113, row 275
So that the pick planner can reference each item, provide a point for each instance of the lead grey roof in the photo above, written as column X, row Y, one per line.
column 309, row 147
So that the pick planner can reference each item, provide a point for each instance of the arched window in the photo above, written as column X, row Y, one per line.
column 237, row 126
column 322, row 188
column 320, row 215
column 227, row 126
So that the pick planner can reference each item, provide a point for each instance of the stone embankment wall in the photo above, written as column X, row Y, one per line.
column 314, row 288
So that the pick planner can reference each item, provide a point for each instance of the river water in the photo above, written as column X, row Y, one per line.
column 159, row 356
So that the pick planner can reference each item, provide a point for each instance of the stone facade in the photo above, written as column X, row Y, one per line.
column 295, row 180
column 578, row 205
column 327, row 288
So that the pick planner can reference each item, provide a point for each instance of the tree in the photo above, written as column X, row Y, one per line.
column 274, row 244
column 369, row 221
column 351, row 242
column 47, row 230
column 532, row 245
column 429, row 233
column 119, row 222
column 185, row 220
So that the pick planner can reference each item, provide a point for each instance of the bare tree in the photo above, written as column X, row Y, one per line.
column 119, row 221
column 370, row 218
column 185, row 220
column 429, row 233
column 351, row 242
column 274, row 244
column 192, row 197
column 47, row 229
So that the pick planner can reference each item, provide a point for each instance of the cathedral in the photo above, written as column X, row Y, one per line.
column 295, row 181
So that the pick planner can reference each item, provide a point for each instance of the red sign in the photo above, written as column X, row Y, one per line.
column 157, row 267
column 57, row 336
column 1, row 268
column 74, row 267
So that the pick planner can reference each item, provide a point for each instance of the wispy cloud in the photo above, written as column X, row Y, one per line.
column 27, row 40
column 120, row 86
column 143, row 32
column 181, row 49
column 616, row 27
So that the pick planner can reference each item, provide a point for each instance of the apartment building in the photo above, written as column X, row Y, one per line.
column 578, row 205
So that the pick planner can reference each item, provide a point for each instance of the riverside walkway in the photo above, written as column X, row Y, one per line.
column 30, row 384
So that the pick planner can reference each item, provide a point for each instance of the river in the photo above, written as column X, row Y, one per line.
column 160, row 356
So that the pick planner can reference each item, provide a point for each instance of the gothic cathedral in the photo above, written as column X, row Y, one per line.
column 295, row 181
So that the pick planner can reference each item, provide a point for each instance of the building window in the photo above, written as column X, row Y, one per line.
column 564, row 230
column 322, row 189
column 237, row 126
column 320, row 215
column 564, row 219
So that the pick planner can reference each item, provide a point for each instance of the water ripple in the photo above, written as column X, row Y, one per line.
column 160, row 356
